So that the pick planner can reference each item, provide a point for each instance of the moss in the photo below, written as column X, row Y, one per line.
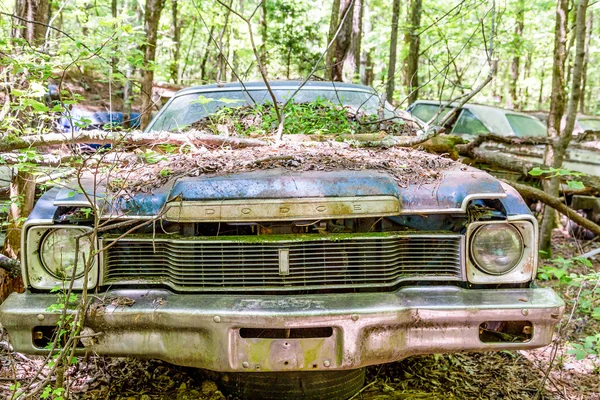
column 277, row 237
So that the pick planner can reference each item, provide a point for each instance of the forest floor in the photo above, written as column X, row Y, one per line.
column 507, row 374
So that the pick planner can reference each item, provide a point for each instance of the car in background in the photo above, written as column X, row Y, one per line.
column 80, row 118
column 475, row 119
column 582, row 122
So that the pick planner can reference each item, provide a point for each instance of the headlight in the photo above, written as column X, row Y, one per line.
column 59, row 252
column 496, row 248
column 49, row 256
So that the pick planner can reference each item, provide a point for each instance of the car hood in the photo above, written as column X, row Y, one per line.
column 450, row 193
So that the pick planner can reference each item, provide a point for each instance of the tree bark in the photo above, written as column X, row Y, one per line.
column 557, row 109
column 343, row 40
column 518, row 47
column 333, row 25
column 151, row 20
column 32, row 10
column 221, row 62
column 590, row 25
column 176, row 51
column 364, row 56
column 206, row 54
column 22, row 195
column 10, row 265
column 263, row 35
column 391, row 70
column 352, row 62
column 412, row 60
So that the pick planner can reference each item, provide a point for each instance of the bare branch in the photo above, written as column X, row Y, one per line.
column 133, row 138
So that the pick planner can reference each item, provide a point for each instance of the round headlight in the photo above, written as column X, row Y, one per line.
column 496, row 248
column 58, row 252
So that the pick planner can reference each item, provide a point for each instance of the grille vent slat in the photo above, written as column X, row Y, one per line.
column 236, row 265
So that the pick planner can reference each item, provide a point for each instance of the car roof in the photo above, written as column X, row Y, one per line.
column 492, row 117
column 283, row 84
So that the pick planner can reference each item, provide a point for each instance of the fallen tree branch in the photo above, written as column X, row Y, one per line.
column 512, row 140
column 515, row 164
column 404, row 141
column 12, row 266
column 10, row 143
column 556, row 204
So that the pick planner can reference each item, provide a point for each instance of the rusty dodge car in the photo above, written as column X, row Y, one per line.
column 289, row 282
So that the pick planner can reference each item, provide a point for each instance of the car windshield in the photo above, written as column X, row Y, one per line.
column 186, row 109
column 425, row 112
column 524, row 125
column 589, row 124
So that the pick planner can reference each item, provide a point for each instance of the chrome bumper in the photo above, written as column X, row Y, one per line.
column 372, row 328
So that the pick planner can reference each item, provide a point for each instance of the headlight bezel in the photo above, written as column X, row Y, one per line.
column 41, row 277
column 479, row 231
column 524, row 270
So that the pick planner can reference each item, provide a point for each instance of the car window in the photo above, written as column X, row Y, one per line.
column 524, row 126
column 426, row 112
column 469, row 124
column 189, row 108
column 589, row 124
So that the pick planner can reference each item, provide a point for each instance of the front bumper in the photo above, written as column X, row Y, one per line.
column 371, row 328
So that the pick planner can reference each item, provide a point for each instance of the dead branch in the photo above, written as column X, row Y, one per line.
column 12, row 266
column 511, row 163
column 556, row 204
column 132, row 138
column 405, row 141
column 512, row 140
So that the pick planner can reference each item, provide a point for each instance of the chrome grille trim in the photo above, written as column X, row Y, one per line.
column 316, row 262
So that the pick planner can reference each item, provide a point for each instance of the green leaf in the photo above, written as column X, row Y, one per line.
column 36, row 105
column 537, row 171
column 575, row 185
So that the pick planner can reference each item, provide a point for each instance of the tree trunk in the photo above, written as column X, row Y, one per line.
column 541, row 93
column 518, row 47
column 127, row 96
column 412, row 60
column 366, row 30
column 176, row 51
column 525, row 101
column 343, row 40
column 22, row 187
column 333, row 25
column 22, row 194
column 206, row 54
column 33, row 10
column 555, row 154
column 590, row 25
column 369, row 69
column 571, row 30
column 352, row 63
column 263, row 35
column 151, row 20
column 114, row 60
column 389, row 92
column 221, row 62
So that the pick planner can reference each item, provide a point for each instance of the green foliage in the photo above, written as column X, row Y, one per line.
column 578, row 273
column 320, row 117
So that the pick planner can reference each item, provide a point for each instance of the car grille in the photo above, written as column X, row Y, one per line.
column 289, row 262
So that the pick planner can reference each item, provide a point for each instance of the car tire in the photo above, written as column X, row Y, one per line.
column 330, row 385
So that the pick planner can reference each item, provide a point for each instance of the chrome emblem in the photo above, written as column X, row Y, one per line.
column 284, row 262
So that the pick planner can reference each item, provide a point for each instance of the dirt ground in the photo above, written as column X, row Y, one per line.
column 503, row 375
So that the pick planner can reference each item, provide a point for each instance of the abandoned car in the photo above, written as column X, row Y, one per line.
column 293, row 277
